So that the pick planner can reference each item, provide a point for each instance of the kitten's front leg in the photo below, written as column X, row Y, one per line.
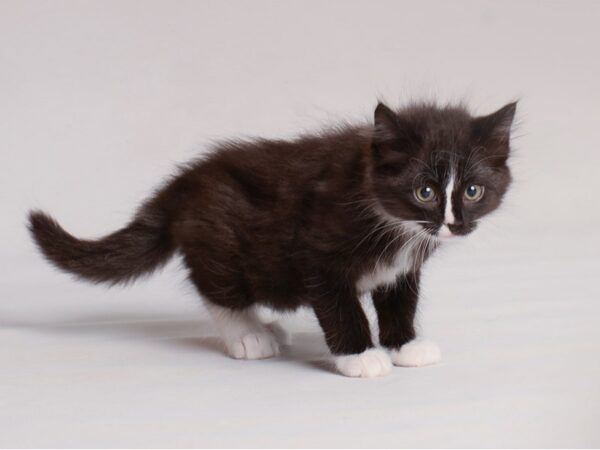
column 347, row 334
column 396, row 307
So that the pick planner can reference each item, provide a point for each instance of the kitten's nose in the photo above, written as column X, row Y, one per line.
column 454, row 227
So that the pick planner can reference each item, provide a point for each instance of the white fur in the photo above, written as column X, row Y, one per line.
column 370, row 363
column 245, row 337
column 448, row 214
column 444, row 232
column 403, row 263
column 416, row 353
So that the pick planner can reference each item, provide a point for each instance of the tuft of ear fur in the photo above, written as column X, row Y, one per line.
column 392, row 128
column 393, row 139
column 495, row 127
column 386, row 124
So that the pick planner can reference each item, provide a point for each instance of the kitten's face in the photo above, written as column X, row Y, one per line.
column 441, row 168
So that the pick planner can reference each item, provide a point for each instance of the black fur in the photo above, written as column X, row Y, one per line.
column 291, row 223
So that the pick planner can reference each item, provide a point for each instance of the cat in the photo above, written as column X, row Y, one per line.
column 316, row 221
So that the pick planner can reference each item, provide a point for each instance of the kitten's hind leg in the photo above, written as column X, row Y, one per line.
column 245, row 337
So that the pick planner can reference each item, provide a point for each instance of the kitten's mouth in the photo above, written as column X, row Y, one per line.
column 444, row 232
column 437, row 234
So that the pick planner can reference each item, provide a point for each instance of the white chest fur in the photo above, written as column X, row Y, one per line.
column 406, row 260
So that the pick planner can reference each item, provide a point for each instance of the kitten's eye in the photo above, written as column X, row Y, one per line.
column 425, row 194
column 474, row 192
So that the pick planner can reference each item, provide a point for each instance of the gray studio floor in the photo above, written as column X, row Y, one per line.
column 517, row 323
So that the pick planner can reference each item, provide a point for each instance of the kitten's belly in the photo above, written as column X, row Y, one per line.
column 404, row 262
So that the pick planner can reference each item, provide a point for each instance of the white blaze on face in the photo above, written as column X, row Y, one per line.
column 448, row 214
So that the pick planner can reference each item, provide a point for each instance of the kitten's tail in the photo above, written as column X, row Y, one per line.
column 139, row 248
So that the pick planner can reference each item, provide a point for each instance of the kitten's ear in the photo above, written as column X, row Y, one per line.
column 386, row 123
column 393, row 139
column 495, row 128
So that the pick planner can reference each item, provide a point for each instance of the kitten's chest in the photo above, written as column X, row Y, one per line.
column 406, row 260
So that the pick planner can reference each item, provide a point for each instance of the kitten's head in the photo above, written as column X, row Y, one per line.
column 441, row 167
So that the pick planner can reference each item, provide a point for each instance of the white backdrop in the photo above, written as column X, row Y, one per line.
column 100, row 99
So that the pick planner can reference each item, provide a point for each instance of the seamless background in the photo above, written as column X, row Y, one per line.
column 99, row 100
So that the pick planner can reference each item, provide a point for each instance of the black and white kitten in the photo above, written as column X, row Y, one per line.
column 315, row 221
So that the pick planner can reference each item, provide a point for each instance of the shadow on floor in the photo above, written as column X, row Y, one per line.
column 193, row 334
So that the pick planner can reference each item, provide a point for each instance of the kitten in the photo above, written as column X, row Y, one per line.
column 315, row 221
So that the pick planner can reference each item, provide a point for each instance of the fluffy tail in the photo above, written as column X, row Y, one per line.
column 139, row 248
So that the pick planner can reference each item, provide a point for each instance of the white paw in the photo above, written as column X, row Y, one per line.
column 370, row 363
column 258, row 345
column 416, row 353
